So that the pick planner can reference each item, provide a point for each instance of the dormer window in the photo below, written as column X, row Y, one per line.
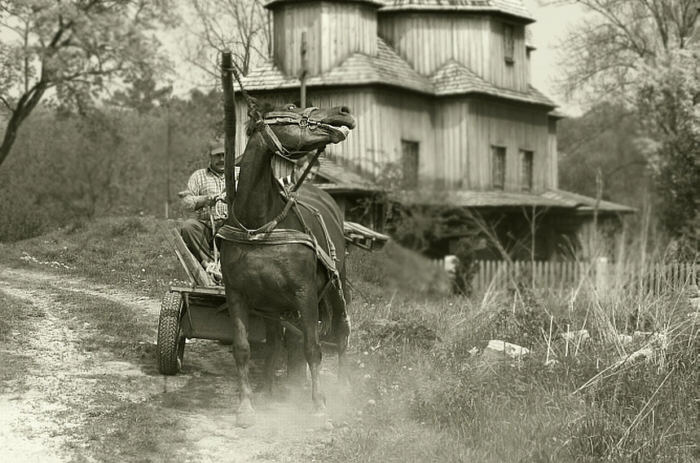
column 508, row 43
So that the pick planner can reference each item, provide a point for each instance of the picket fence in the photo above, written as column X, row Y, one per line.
column 653, row 277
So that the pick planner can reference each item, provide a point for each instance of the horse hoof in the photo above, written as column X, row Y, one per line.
column 245, row 419
column 320, row 407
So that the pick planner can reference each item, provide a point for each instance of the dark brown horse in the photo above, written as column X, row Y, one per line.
column 279, row 273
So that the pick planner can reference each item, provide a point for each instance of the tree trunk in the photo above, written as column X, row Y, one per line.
column 25, row 106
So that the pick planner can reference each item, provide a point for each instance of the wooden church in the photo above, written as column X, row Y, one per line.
column 447, row 116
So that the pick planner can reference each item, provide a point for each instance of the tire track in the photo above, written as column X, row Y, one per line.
column 70, row 393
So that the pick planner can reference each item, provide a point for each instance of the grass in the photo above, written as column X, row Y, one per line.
column 588, row 406
column 422, row 389
column 109, row 325
column 130, row 252
column 125, row 431
column 14, row 320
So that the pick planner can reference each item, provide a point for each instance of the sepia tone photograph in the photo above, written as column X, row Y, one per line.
column 350, row 231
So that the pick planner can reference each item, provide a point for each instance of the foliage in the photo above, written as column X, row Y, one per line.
column 644, row 55
column 107, row 160
column 669, row 103
column 73, row 48
column 604, row 140
column 618, row 39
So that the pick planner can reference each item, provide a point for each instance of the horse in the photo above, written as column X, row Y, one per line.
column 282, row 253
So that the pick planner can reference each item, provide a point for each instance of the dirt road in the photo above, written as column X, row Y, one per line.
column 71, row 389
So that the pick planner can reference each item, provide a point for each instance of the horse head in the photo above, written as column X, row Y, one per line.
column 295, row 131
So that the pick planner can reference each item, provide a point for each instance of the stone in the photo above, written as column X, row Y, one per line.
column 498, row 350
column 576, row 336
column 624, row 338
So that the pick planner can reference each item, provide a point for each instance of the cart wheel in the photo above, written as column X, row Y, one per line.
column 171, row 341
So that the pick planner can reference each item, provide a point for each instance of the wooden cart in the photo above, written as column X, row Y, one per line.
column 198, row 310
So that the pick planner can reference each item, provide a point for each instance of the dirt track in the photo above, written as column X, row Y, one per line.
column 63, row 398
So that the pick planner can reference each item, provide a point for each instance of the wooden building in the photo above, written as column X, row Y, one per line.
column 442, row 95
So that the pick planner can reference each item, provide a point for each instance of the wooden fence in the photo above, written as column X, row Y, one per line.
column 601, row 274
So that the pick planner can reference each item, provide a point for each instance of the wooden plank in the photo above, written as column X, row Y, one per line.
column 195, row 272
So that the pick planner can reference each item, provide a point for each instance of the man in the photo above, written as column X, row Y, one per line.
column 205, row 194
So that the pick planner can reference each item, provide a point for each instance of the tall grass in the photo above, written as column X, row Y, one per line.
column 613, row 397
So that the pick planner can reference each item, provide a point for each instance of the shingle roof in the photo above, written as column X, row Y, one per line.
column 585, row 203
column 337, row 178
column 378, row 3
column 466, row 198
column 385, row 68
column 511, row 7
column 388, row 68
column 455, row 78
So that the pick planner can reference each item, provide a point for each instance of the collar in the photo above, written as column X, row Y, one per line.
column 209, row 169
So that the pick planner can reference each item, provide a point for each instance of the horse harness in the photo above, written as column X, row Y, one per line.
column 269, row 234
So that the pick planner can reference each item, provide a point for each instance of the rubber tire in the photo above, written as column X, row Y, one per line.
column 171, row 341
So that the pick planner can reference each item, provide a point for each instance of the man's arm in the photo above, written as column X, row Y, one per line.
column 191, row 199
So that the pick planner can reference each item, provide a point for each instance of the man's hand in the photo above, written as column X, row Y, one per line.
column 213, row 199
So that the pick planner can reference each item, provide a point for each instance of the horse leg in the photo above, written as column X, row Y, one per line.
column 296, row 361
column 312, row 346
column 273, row 347
column 343, row 335
column 341, row 327
column 238, row 312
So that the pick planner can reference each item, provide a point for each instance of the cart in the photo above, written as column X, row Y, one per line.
column 198, row 310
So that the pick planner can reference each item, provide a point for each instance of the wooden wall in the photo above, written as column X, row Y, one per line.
column 455, row 135
column 490, row 122
column 384, row 117
column 427, row 41
column 334, row 31
column 552, row 148
column 360, row 148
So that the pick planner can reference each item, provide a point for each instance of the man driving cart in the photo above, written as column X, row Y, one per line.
column 206, row 196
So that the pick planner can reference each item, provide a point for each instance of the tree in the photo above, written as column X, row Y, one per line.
column 644, row 55
column 619, row 39
column 604, row 141
column 668, row 98
column 241, row 26
column 74, row 48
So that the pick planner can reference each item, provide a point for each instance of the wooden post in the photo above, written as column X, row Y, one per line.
column 303, row 72
column 601, row 275
column 229, row 128
column 168, row 168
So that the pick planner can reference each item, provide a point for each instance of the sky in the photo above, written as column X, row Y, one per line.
column 550, row 28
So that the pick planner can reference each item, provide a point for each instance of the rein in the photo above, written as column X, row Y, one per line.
column 273, row 143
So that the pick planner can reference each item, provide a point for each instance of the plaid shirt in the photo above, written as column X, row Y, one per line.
column 202, row 183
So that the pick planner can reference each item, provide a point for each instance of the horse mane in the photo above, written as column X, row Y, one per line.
column 261, row 110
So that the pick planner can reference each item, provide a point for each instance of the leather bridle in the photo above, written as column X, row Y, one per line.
column 286, row 118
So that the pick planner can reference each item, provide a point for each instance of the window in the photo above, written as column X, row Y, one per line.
column 526, row 165
column 409, row 163
column 508, row 43
column 498, row 167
